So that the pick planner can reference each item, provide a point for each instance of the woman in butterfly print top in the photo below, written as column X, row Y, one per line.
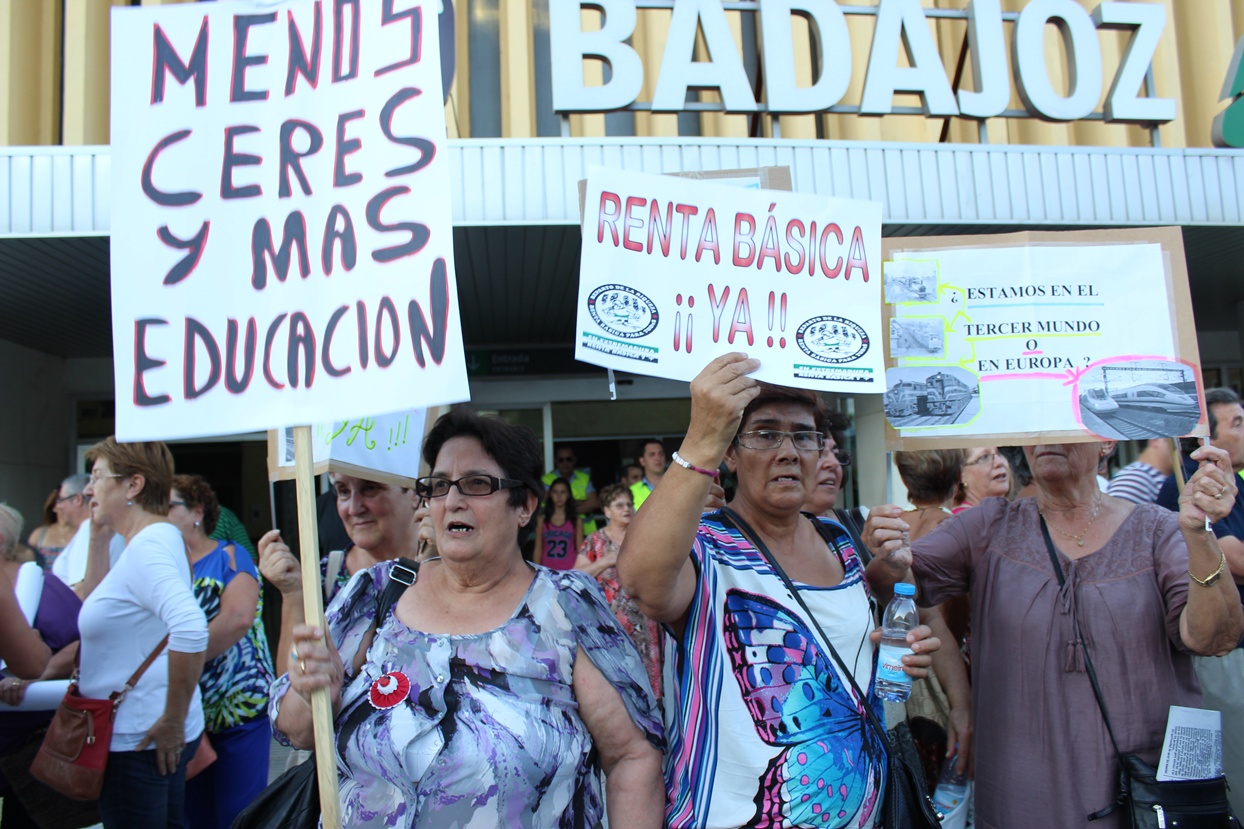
column 763, row 730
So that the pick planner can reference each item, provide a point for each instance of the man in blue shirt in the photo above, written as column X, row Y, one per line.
column 1222, row 678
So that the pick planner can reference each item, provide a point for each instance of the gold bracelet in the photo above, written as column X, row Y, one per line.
column 1214, row 576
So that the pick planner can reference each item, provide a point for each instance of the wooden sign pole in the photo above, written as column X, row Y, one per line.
column 313, row 608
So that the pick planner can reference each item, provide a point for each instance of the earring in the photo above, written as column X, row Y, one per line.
column 196, row 523
column 129, row 503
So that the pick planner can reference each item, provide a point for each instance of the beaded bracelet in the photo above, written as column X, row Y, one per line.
column 681, row 461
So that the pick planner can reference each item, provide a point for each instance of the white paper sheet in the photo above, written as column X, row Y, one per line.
column 1192, row 749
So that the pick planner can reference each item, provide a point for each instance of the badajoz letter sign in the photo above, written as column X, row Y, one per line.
column 900, row 24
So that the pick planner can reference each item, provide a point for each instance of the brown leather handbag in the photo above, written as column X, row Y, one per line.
column 75, row 750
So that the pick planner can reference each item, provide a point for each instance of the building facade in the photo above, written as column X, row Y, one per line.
column 959, row 117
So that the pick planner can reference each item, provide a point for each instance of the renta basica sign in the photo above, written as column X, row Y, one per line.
column 899, row 23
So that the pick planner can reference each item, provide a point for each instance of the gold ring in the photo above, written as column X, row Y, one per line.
column 302, row 666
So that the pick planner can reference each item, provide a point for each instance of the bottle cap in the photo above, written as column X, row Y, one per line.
column 904, row 589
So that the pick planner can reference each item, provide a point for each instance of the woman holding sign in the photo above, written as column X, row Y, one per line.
column 1144, row 587
column 494, row 692
column 380, row 520
column 765, row 725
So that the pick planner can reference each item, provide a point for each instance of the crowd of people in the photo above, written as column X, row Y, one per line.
column 660, row 657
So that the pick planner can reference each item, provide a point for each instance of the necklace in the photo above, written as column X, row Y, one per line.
column 1079, row 539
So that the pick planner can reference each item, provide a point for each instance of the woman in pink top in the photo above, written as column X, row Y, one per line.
column 559, row 532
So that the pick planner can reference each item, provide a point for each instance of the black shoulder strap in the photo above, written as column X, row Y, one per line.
column 400, row 577
column 1088, row 662
column 850, row 521
column 729, row 516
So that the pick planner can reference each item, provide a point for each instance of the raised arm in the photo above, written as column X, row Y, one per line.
column 283, row 571
column 655, row 564
column 1212, row 620
column 98, row 559
column 885, row 533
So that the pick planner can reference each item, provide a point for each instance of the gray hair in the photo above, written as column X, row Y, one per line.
column 76, row 483
column 10, row 531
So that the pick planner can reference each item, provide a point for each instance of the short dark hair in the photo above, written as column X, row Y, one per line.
column 515, row 448
column 1215, row 397
column 198, row 494
column 643, row 447
column 930, row 475
column 151, row 459
column 564, row 447
column 770, row 393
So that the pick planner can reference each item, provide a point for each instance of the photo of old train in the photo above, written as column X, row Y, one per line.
column 917, row 337
column 936, row 399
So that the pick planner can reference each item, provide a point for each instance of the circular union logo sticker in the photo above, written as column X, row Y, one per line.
column 832, row 339
column 622, row 311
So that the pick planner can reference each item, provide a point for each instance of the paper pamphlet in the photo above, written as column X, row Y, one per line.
column 1192, row 749
column 40, row 696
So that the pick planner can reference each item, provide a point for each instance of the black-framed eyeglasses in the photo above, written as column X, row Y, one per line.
column 65, row 498
column 804, row 441
column 474, row 485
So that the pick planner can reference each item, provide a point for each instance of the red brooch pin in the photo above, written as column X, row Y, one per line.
column 390, row 690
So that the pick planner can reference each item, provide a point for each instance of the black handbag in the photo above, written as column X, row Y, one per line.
column 905, row 803
column 292, row 801
column 1148, row 802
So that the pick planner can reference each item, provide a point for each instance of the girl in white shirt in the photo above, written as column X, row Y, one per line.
column 130, row 608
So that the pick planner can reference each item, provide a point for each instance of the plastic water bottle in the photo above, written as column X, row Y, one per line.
column 893, row 684
column 952, row 787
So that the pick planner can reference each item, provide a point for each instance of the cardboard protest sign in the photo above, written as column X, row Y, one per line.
column 1039, row 338
column 384, row 448
column 281, row 242
column 675, row 272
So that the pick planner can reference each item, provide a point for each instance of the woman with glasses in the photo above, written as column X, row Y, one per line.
column 985, row 474
column 237, row 671
column 764, row 727
column 380, row 520
column 60, row 510
column 494, row 692
column 128, row 611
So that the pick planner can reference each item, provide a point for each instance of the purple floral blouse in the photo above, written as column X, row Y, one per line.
column 484, row 729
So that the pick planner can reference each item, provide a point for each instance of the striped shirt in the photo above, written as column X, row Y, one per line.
column 1137, row 482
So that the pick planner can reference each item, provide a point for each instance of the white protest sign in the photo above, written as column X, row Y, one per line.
column 1012, row 342
column 382, row 448
column 281, row 241
column 675, row 272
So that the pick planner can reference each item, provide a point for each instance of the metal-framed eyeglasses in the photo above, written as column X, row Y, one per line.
column 62, row 499
column 473, row 485
column 986, row 459
column 803, row 441
column 98, row 476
